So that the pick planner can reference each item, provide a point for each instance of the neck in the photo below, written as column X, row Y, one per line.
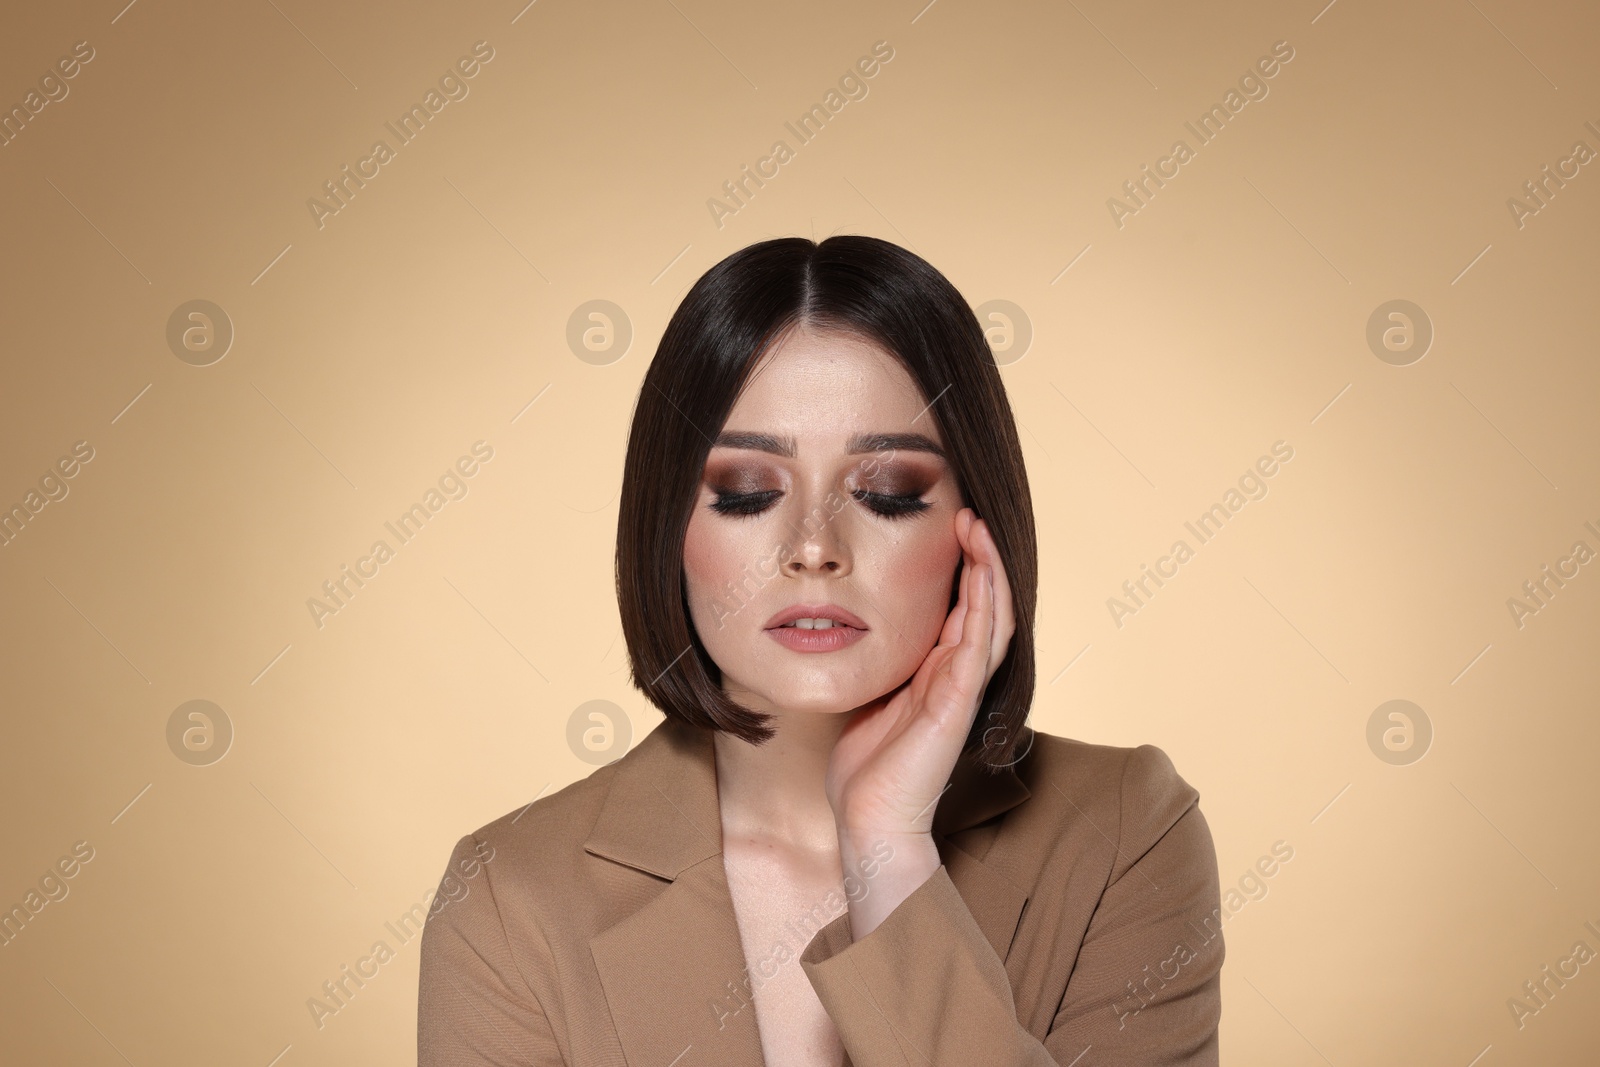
column 774, row 792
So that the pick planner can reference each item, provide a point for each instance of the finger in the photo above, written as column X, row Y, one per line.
column 951, row 634
column 1004, row 614
column 972, row 551
column 972, row 655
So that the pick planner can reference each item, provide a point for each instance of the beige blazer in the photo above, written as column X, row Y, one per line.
column 1075, row 920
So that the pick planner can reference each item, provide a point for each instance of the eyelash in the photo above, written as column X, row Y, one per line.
column 887, row 505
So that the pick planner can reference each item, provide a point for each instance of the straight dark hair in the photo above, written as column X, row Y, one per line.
column 733, row 314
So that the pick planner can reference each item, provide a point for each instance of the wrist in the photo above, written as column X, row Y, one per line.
column 881, row 868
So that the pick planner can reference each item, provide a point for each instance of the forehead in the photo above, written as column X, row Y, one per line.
column 824, row 385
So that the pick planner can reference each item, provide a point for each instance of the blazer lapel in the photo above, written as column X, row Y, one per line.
column 672, row 973
column 995, row 903
column 673, row 969
column 974, row 797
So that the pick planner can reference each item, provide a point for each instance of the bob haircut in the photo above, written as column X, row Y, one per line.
column 732, row 315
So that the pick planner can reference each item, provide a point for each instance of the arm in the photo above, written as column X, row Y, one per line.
column 925, row 987
column 474, row 1008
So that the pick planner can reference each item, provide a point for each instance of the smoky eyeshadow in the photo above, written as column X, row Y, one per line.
column 889, row 479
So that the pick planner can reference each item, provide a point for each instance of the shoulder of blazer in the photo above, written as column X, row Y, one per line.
column 654, row 808
column 547, row 832
column 1129, row 796
column 1101, row 777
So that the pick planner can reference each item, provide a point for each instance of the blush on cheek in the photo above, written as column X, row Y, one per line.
column 925, row 577
column 706, row 597
column 706, row 558
column 698, row 563
column 718, row 565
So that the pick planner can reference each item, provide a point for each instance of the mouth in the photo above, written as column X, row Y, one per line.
column 815, row 617
column 816, row 628
column 810, row 624
column 816, row 639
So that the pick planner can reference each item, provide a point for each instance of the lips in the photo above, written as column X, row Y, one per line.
column 816, row 611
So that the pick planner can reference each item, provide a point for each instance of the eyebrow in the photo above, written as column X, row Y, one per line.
column 858, row 444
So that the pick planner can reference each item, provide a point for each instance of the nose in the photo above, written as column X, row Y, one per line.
column 820, row 539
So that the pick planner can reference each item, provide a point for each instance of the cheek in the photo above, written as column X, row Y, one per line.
column 706, row 558
column 922, row 574
column 714, row 554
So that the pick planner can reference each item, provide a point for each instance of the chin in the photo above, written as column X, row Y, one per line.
column 820, row 704
column 798, row 698
column 801, row 698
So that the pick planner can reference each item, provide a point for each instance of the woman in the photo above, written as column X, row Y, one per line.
column 842, row 845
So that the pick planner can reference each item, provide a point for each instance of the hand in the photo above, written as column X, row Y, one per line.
column 892, row 760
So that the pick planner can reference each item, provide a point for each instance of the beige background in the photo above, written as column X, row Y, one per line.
column 1229, row 313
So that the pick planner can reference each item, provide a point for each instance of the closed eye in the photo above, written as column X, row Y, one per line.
column 744, row 503
column 887, row 505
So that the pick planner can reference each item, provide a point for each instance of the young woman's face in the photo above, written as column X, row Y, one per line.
column 827, row 487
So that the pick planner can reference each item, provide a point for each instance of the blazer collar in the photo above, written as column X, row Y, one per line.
column 673, row 967
column 660, row 814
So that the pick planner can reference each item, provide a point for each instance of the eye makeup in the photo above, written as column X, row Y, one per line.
column 892, row 490
column 888, row 505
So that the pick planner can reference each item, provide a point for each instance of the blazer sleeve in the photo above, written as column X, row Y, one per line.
column 474, row 1008
column 925, row 987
